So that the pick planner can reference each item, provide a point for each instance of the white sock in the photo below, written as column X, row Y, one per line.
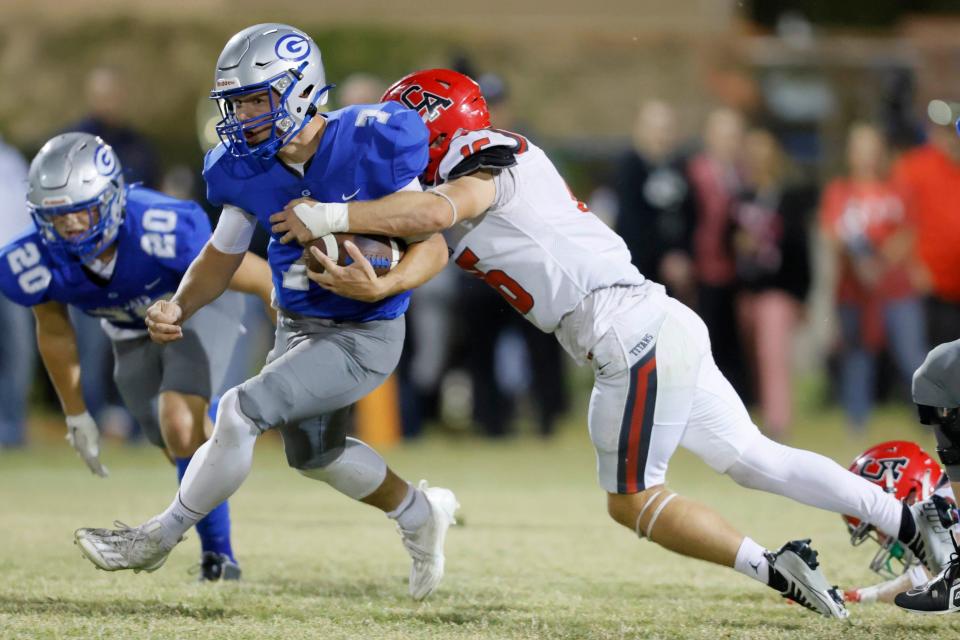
column 176, row 520
column 413, row 510
column 751, row 562
column 216, row 471
column 815, row 480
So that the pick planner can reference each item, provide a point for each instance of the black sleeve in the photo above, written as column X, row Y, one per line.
column 633, row 222
column 688, row 209
column 495, row 158
column 797, row 207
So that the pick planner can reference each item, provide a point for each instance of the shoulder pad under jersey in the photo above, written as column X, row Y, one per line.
column 483, row 149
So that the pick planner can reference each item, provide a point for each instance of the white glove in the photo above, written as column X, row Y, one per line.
column 83, row 436
column 323, row 218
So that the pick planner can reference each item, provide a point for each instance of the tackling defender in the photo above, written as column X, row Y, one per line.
column 111, row 250
column 330, row 351
column 511, row 220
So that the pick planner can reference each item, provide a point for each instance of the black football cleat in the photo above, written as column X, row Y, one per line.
column 940, row 595
column 215, row 567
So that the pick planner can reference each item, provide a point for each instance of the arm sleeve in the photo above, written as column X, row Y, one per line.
column 234, row 230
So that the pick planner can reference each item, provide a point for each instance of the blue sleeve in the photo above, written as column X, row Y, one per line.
column 403, row 141
column 25, row 274
column 191, row 233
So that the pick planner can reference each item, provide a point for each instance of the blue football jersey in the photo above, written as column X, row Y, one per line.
column 159, row 238
column 367, row 152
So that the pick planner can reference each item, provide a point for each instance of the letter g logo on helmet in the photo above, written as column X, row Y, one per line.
column 292, row 46
column 104, row 161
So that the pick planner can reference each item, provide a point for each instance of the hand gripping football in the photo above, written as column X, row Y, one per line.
column 383, row 253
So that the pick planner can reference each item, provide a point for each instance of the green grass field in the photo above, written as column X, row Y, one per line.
column 536, row 557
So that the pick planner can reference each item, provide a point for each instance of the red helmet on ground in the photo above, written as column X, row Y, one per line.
column 448, row 102
column 903, row 470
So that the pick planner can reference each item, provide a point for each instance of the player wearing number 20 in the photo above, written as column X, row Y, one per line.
column 511, row 220
column 330, row 351
column 111, row 250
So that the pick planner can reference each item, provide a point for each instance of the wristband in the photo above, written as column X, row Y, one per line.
column 324, row 217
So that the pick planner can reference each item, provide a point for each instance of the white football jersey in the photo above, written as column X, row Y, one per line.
column 537, row 245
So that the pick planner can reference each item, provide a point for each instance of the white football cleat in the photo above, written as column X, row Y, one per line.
column 797, row 563
column 425, row 545
column 138, row 548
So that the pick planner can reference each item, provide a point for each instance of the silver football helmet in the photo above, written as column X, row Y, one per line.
column 77, row 172
column 283, row 62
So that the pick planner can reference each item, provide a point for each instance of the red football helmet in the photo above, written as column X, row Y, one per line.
column 904, row 470
column 448, row 102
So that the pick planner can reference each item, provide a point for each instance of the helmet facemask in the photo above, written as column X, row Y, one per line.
column 104, row 217
column 283, row 119
column 78, row 175
column 286, row 65
column 892, row 558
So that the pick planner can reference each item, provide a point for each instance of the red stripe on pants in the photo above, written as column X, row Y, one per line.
column 636, row 425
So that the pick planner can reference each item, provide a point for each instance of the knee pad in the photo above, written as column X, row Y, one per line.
column 356, row 472
column 232, row 425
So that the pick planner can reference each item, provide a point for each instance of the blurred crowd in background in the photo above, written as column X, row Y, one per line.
column 746, row 212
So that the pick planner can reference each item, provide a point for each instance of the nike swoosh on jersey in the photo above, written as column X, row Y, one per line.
column 153, row 284
column 351, row 196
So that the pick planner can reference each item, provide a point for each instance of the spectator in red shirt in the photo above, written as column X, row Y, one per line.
column 864, row 221
column 930, row 178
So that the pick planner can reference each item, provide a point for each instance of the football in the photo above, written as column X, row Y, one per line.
column 383, row 253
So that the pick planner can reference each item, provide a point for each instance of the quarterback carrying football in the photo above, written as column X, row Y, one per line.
column 330, row 351
column 510, row 220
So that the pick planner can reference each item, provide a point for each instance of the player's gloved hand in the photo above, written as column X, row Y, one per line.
column 304, row 219
column 84, row 437
column 163, row 321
